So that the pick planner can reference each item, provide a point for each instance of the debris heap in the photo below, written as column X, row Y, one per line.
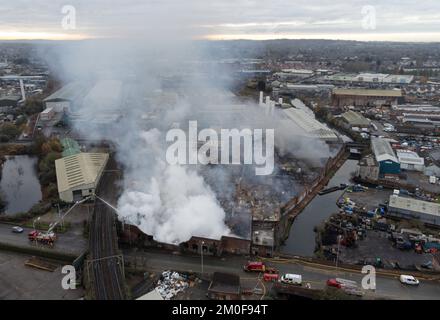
column 171, row 283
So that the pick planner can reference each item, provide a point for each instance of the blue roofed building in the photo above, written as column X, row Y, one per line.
column 385, row 156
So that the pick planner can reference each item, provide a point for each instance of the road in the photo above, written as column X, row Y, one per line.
column 71, row 241
column 387, row 287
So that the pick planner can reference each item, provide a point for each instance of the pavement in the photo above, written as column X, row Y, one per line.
column 18, row 281
column 316, row 275
column 370, row 199
column 71, row 241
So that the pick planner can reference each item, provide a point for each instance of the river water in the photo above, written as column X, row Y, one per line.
column 301, row 239
column 19, row 184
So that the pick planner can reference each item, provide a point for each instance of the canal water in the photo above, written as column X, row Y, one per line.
column 301, row 239
column 19, row 184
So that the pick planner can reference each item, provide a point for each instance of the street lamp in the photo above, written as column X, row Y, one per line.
column 337, row 252
column 201, row 254
column 37, row 219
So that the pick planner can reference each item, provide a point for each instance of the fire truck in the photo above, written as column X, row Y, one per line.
column 47, row 238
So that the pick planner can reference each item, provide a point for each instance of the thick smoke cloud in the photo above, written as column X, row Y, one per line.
column 126, row 102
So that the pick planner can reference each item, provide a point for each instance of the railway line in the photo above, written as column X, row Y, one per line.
column 105, row 266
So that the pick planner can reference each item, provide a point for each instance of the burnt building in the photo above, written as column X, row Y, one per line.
column 224, row 286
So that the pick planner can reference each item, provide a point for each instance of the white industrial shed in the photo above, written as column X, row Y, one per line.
column 104, row 96
column 311, row 127
column 66, row 97
column 382, row 150
column 78, row 175
column 409, row 208
column 410, row 160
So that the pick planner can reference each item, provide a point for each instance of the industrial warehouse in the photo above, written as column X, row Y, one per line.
column 365, row 97
column 78, row 175
column 408, row 208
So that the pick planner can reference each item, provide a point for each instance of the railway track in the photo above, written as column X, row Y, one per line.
column 106, row 264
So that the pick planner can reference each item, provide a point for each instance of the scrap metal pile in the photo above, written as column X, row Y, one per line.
column 171, row 283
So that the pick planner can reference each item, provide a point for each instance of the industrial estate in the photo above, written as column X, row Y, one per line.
column 86, row 182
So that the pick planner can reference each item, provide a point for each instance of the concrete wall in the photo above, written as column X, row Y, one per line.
column 368, row 172
column 343, row 100
column 407, row 214
column 67, row 196
column 59, row 106
column 412, row 167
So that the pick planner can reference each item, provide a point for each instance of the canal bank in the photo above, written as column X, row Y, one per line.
column 301, row 240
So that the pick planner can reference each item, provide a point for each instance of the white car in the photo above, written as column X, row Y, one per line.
column 409, row 280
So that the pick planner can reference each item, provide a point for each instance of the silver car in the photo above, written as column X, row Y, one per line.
column 17, row 229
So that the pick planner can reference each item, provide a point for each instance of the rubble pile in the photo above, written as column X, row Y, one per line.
column 171, row 283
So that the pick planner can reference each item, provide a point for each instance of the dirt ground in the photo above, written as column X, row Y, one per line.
column 420, row 180
column 18, row 281
column 369, row 199
column 376, row 245
column 78, row 215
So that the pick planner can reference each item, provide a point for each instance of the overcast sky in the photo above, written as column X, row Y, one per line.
column 395, row 20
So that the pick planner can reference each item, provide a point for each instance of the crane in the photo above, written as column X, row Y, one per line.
column 53, row 225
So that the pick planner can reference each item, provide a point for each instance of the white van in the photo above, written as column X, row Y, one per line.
column 289, row 278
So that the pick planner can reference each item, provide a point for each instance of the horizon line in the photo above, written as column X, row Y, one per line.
column 222, row 40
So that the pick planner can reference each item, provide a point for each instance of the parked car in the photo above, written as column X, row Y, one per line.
column 348, row 286
column 333, row 283
column 410, row 280
column 17, row 229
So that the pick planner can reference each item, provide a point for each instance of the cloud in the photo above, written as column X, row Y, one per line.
column 230, row 18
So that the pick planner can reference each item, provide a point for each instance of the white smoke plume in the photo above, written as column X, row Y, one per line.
column 174, row 203
column 169, row 202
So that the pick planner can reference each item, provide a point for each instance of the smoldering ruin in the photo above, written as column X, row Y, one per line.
column 131, row 95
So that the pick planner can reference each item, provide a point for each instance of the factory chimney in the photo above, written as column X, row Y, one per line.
column 23, row 93
column 261, row 98
column 267, row 105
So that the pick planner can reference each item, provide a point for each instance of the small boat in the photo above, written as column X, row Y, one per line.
column 342, row 186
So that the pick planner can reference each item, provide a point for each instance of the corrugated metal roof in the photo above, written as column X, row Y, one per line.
column 355, row 118
column 414, row 205
column 382, row 150
column 79, row 169
column 70, row 147
column 105, row 95
column 310, row 125
column 409, row 157
column 72, row 91
column 368, row 92
column 10, row 98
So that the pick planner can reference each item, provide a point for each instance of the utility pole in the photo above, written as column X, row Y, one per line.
column 337, row 253
column 201, row 255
